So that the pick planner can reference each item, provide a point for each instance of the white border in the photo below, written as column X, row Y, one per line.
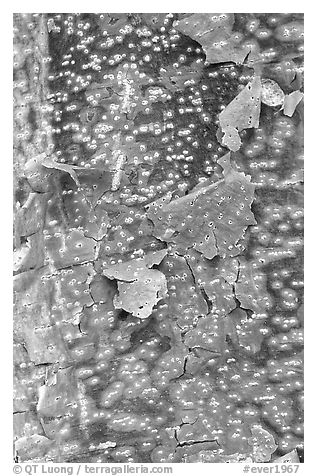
column 310, row 191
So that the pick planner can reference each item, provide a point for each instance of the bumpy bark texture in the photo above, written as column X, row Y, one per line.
column 158, row 312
